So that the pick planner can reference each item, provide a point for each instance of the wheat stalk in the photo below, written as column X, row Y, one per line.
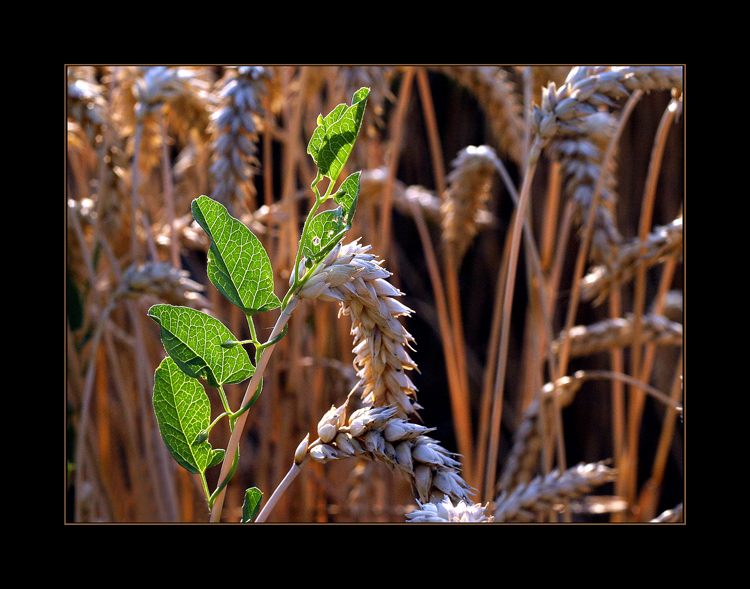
column 528, row 502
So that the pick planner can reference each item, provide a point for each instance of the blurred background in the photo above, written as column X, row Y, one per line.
column 144, row 141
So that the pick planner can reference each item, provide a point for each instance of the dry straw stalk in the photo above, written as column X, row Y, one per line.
column 144, row 141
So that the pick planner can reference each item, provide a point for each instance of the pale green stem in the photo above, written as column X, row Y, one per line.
column 318, row 201
column 278, row 492
column 234, row 440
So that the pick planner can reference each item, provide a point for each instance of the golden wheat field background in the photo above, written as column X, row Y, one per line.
column 530, row 217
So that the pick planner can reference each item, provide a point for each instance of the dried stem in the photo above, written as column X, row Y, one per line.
column 519, row 216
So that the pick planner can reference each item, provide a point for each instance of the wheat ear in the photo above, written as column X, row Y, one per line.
column 357, row 280
column 86, row 102
column 571, row 121
column 670, row 515
column 235, row 136
column 382, row 361
column 619, row 332
column 662, row 242
column 470, row 182
column 527, row 502
column 373, row 422
column 522, row 461
column 165, row 282
column 498, row 97
column 446, row 512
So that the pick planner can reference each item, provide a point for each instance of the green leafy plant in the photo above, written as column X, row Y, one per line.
column 201, row 348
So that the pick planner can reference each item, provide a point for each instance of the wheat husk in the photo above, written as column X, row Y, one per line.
column 531, row 501
column 662, row 242
column 235, row 136
column 469, row 190
column 571, row 122
column 619, row 332
column 374, row 422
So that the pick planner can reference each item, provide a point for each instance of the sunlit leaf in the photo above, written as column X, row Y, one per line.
column 193, row 339
column 183, row 411
column 333, row 139
column 251, row 504
column 238, row 265
column 328, row 228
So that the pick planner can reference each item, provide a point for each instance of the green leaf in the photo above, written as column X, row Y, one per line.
column 346, row 196
column 183, row 410
column 251, row 504
column 238, row 265
column 193, row 339
column 328, row 228
column 333, row 139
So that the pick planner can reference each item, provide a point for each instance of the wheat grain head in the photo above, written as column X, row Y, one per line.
column 527, row 502
column 469, row 190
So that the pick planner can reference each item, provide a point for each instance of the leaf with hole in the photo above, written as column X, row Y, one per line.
column 194, row 341
column 238, row 265
column 183, row 411
column 329, row 227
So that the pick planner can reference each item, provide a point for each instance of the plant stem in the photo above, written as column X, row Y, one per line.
column 278, row 492
column 314, row 209
column 252, row 387
column 504, row 334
